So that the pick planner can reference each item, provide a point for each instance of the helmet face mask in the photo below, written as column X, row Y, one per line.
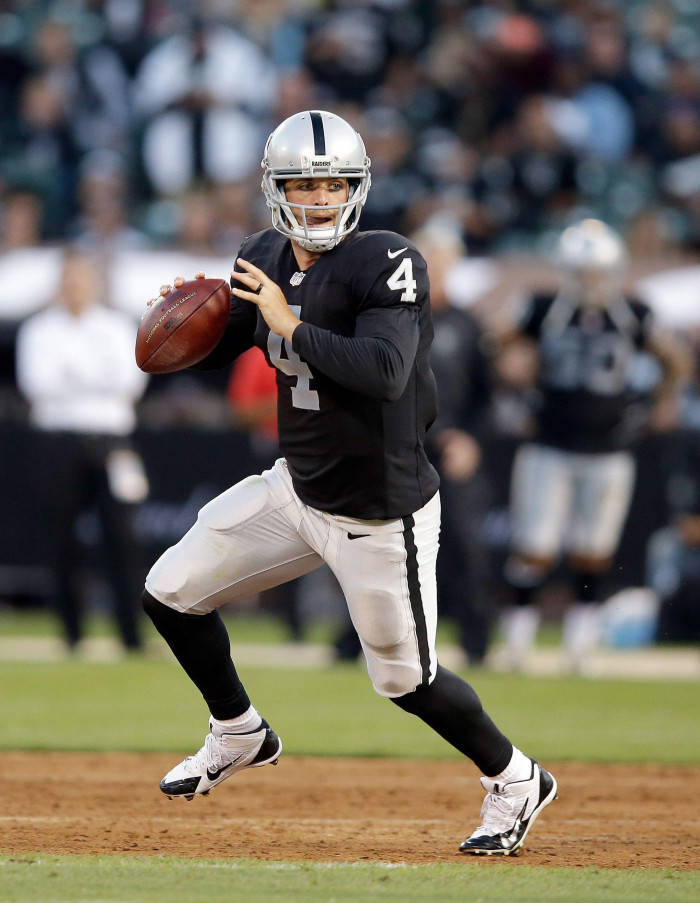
column 593, row 259
column 318, row 145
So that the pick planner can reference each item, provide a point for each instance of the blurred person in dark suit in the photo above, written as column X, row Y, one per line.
column 455, row 441
column 76, row 368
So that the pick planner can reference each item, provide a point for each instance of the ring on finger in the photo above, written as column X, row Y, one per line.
column 258, row 289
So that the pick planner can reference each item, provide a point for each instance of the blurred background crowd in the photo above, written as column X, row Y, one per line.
column 129, row 123
column 137, row 125
column 132, row 130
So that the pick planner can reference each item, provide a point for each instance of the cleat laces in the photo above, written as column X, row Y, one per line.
column 499, row 811
column 210, row 756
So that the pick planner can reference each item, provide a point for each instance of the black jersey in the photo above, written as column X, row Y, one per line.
column 586, row 357
column 355, row 391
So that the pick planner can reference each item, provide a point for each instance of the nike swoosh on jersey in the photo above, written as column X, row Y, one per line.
column 357, row 535
column 392, row 254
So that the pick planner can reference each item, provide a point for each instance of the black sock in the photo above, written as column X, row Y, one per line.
column 201, row 644
column 452, row 708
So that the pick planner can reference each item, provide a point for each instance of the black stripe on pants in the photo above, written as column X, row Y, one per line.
column 416, row 600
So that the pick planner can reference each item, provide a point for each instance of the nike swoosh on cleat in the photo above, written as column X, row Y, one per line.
column 213, row 775
column 392, row 254
column 357, row 535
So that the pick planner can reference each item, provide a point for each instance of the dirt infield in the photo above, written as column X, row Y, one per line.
column 610, row 816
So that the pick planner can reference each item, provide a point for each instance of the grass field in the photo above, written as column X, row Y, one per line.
column 141, row 704
column 564, row 718
column 50, row 878
column 147, row 704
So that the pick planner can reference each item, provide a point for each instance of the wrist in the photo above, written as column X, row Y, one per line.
column 291, row 328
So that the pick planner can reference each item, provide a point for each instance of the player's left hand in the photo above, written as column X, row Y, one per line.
column 178, row 281
column 268, row 296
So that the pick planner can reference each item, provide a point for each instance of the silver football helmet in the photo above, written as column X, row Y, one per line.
column 593, row 259
column 315, row 144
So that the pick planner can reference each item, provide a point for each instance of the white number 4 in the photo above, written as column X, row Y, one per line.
column 303, row 396
column 402, row 278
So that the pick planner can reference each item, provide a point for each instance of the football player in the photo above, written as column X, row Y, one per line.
column 572, row 484
column 344, row 318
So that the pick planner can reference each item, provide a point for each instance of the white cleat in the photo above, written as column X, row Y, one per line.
column 222, row 755
column 508, row 812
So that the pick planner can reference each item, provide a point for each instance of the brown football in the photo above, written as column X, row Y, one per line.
column 182, row 327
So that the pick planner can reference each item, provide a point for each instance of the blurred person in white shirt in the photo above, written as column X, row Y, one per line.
column 76, row 368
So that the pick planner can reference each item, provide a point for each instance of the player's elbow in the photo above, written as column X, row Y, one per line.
column 392, row 378
column 394, row 389
column 385, row 384
column 385, row 387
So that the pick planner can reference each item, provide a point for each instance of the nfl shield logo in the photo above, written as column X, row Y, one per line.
column 297, row 279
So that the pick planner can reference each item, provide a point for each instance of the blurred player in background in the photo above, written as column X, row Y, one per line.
column 572, row 484
column 75, row 367
column 344, row 317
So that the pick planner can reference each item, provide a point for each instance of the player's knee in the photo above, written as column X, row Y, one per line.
column 392, row 686
column 394, row 679
column 166, row 575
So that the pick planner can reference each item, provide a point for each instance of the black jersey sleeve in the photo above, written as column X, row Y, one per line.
column 376, row 361
column 389, row 285
column 238, row 335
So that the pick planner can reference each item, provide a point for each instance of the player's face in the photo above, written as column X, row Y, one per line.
column 317, row 193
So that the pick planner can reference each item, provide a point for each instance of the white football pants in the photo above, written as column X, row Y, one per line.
column 569, row 500
column 259, row 533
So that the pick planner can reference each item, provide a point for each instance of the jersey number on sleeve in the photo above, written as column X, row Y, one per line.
column 292, row 365
column 402, row 278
